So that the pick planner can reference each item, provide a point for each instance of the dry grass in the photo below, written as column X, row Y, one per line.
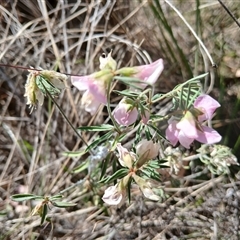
column 69, row 36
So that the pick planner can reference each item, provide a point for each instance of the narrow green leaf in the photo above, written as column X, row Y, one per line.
column 44, row 213
column 28, row 145
column 156, row 96
column 133, row 82
column 40, row 81
column 63, row 204
column 114, row 168
column 103, row 127
column 129, row 190
column 105, row 165
column 157, row 131
column 74, row 154
column 24, row 197
column 99, row 140
column 83, row 166
column 56, row 197
column 138, row 136
column 117, row 175
column 153, row 164
column 151, row 173
column 127, row 93
column 157, row 118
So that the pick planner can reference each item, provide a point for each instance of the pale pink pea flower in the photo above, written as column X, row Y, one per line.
column 125, row 113
column 207, row 105
column 95, row 91
column 113, row 196
column 147, row 149
column 126, row 158
column 146, row 188
column 149, row 73
column 95, row 85
column 189, row 129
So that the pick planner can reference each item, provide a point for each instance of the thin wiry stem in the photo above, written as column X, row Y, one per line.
column 28, row 68
column 109, row 109
column 60, row 109
column 228, row 11
column 193, row 32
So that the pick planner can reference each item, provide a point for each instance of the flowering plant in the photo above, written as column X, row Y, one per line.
column 140, row 163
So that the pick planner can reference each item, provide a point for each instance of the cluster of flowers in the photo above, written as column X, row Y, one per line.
column 183, row 128
column 145, row 150
column 95, row 86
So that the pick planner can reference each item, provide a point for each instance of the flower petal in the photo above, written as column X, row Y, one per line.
column 150, row 72
column 90, row 103
column 125, row 157
column 147, row 149
column 81, row 83
column 184, row 140
column 107, row 62
column 172, row 132
column 145, row 117
column 145, row 188
column 124, row 115
column 208, row 136
column 187, row 125
column 98, row 90
column 112, row 196
column 206, row 104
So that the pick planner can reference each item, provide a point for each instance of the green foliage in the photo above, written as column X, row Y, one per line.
column 106, row 136
column 80, row 168
column 25, row 197
column 44, row 84
column 63, row 204
column 41, row 209
column 122, row 172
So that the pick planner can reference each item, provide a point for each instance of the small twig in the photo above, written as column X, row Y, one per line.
column 228, row 11
column 33, row 69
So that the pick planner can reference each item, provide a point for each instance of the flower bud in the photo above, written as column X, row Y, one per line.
column 38, row 210
column 32, row 92
column 207, row 105
column 125, row 113
column 115, row 195
column 40, row 83
column 145, row 116
column 126, row 158
column 112, row 196
column 146, row 150
column 127, row 71
column 108, row 62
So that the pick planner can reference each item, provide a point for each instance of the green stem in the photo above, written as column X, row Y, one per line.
column 179, row 87
column 109, row 109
